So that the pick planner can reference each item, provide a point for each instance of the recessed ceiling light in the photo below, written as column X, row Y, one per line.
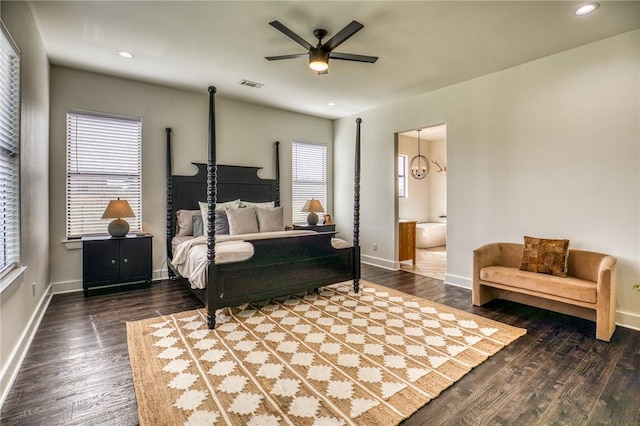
column 587, row 8
column 126, row 54
column 331, row 104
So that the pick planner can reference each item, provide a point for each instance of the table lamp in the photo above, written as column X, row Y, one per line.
column 312, row 206
column 116, row 210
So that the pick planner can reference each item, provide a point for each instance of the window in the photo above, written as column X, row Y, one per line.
column 104, row 156
column 308, row 176
column 402, row 176
column 9, row 154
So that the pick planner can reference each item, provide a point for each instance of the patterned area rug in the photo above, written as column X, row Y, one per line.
column 327, row 358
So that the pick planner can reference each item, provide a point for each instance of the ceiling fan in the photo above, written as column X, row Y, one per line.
column 319, row 55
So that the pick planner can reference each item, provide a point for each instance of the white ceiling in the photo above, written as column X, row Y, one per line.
column 422, row 45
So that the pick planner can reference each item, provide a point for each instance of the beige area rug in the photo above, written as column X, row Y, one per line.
column 331, row 358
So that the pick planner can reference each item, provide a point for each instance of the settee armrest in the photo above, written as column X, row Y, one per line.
column 606, row 284
column 497, row 254
column 493, row 254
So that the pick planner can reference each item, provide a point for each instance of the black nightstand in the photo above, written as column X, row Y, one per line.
column 115, row 260
column 318, row 228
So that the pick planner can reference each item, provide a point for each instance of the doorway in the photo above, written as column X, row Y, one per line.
column 422, row 197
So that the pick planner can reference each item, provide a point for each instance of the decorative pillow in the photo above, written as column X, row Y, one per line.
column 265, row 205
column 204, row 209
column 545, row 256
column 270, row 219
column 184, row 222
column 243, row 221
column 221, row 224
column 198, row 230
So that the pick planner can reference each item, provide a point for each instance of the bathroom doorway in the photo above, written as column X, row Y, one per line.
column 422, row 197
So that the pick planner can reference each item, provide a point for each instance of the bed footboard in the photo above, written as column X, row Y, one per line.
column 278, row 267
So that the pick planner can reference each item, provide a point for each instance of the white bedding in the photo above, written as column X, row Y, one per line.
column 190, row 257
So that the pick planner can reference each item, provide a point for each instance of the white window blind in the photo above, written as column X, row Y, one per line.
column 309, row 177
column 104, row 156
column 9, row 154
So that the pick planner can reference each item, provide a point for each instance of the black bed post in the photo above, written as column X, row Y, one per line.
column 170, row 272
column 212, row 184
column 356, row 211
column 277, row 200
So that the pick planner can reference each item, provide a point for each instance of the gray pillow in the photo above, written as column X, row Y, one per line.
column 243, row 221
column 197, row 226
column 221, row 224
column 270, row 220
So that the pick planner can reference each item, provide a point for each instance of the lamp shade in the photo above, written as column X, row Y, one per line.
column 116, row 210
column 312, row 206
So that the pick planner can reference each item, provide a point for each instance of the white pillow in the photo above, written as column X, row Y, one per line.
column 270, row 220
column 204, row 210
column 265, row 205
column 243, row 221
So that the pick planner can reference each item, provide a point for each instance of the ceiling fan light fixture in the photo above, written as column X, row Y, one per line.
column 318, row 61
column 318, row 65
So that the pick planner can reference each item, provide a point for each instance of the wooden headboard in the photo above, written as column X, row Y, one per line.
column 234, row 182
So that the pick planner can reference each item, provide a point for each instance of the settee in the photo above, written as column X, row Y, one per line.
column 588, row 291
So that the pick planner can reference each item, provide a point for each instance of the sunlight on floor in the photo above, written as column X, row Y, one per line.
column 430, row 262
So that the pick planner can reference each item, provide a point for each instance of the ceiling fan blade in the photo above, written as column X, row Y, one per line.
column 293, row 55
column 342, row 35
column 293, row 36
column 352, row 57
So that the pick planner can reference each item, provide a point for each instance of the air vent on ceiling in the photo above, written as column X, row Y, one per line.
column 251, row 84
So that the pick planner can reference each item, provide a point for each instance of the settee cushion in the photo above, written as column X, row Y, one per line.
column 568, row 287
column 545, row 256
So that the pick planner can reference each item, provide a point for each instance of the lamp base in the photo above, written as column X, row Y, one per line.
column 118, row 228
column 312, row 218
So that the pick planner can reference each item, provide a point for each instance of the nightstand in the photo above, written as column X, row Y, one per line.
column 318, row 228
column 115, row 260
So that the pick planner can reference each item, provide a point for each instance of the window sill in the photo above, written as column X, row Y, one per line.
column 72, row 244
column 11, row 277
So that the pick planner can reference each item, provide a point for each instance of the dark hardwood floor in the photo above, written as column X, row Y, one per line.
column 77, row 370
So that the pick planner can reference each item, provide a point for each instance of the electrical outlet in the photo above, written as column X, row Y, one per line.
column 375, row 246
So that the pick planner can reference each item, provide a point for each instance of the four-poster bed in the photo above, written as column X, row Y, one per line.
column 282, row 265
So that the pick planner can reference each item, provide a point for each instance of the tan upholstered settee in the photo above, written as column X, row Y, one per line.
column 588, row 291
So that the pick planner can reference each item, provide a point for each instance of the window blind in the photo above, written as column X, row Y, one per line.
column 9, row 154
column 309, row 177
column 402, row 176
column 104, row 156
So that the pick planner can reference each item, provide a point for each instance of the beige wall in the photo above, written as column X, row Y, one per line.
column 245, row 132
column 438, row 181
column 26, row 298
column 550, row 148
column 427, row 198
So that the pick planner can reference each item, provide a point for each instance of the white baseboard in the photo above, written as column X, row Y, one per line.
column 66, row 287
column 458, row 281
column 15, row 360
column 76, row 285
column 628, row 320
column 382, row 263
